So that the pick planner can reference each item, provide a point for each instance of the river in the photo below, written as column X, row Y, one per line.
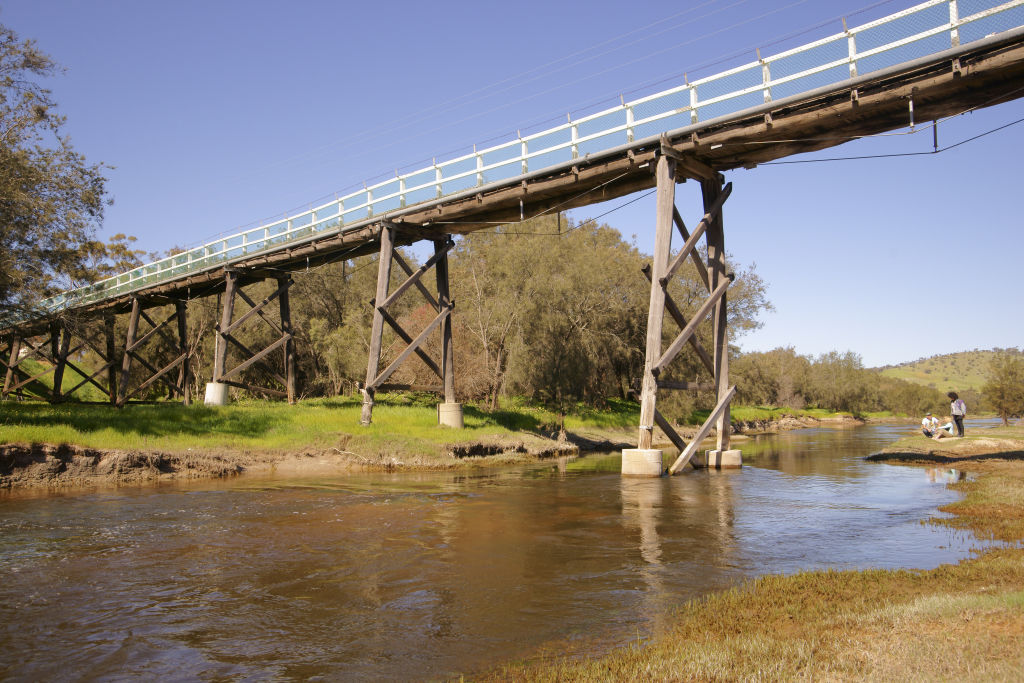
column 428, row 575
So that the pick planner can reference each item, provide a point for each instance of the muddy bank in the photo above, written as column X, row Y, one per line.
column 69, row 466
column 789, row 422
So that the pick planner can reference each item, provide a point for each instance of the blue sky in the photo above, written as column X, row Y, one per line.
column 218, row 115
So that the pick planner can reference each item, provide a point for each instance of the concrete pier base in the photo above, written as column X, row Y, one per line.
column 216, row 394
column 642, row 462
column 719, row 460
column 450, row 415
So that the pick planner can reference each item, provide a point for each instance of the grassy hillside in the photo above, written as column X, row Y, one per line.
column 952, row 371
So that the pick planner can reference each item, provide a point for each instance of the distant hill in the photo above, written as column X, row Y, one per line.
column 961, row 371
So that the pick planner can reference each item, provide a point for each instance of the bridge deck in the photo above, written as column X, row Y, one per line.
column 985, row 72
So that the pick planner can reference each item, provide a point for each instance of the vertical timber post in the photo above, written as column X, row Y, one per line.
column 183, row 373
column 216, row 392
column 126, row 364
column 387, row 247
column 645, row 460
column 15, row 352
column 722, row 456
column 108, row 332
column 63, row 334
column 284, row 283
column 449, row 413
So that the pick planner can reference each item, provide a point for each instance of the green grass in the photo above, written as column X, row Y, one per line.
column 401, row 424
column 43, row 385
column 950, row 372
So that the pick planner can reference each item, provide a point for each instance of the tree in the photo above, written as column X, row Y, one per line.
column 1004, row 391
column 51, row 200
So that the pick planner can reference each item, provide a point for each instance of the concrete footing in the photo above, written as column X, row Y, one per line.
column 642, row 462
column 720, row 460
column 216, row 394
column 450, row 415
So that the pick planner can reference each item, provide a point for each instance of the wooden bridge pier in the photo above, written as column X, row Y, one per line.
column 449, row 412
column 52, row 346
column 134, row 343
column 223, row 377
column 645, row 460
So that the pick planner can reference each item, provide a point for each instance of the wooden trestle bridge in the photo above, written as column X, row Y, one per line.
column 820, row 95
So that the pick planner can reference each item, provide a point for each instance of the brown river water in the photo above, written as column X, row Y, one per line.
column 426, row 576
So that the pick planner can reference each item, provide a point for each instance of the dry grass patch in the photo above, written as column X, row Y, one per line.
column 954, row 622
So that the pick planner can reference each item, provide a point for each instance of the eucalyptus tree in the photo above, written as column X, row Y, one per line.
column 1004, row 390
column 51, row 199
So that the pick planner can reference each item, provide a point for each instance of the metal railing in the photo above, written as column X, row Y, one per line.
column 919, row 31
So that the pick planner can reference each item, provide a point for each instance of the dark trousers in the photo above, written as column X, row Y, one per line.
column 959, row 419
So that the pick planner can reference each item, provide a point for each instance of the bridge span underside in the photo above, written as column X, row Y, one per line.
column 977, row 75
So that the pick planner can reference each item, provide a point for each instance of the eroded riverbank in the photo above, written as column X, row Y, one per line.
column 72, row 446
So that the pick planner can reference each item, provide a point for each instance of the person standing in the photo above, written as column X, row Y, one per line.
column 958, row 410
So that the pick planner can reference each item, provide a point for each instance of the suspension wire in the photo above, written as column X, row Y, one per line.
column 847, row 138
column 936, row 150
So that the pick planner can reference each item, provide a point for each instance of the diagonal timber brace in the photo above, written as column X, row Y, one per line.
column 133, row 352
column 53, row 351
column 375, row 380
column 228, row 326
column 716, row 280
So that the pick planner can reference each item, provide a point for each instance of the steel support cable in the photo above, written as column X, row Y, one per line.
column 915, row 129
column 938, row 150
